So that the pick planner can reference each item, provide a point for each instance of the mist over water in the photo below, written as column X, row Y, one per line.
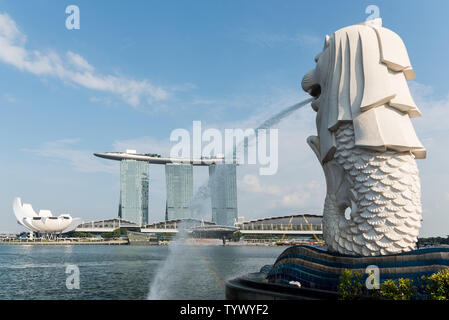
column 168, row 274
column 175, row 269
column 199, row 207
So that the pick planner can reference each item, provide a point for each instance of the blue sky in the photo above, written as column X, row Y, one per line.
column 159, row 65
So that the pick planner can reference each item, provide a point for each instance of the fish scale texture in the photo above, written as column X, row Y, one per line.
column 387, row 194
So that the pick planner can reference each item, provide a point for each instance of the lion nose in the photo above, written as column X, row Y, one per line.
column 309, row 80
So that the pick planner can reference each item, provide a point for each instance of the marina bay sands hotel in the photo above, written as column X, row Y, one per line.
column 134, row 186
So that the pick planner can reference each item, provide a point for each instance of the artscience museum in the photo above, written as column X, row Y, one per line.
column 44, row 222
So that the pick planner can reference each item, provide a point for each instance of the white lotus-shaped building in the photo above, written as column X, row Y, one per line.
column 44, row 222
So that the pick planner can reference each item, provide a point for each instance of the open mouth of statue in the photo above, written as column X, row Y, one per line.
column 315, row 91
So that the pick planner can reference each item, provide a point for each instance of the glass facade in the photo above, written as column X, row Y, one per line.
column 223, row 190
column 179, row 181
column 134, row 185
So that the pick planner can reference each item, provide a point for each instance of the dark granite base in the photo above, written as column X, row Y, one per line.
column 319, row 271
column 255, row 287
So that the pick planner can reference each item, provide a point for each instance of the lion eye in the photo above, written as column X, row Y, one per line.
column 317, row 57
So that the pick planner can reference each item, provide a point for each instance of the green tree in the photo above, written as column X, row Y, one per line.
column 437, row 286
column 350, row 287
column 113, row 234
column 400, row 289
column 236, row 236
column 82, row 234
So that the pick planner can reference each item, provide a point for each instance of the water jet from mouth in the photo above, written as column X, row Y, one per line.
column 199, row 208
column 203, row 192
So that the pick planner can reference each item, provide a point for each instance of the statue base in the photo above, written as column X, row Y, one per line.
column 255, row 286
column 318, row 271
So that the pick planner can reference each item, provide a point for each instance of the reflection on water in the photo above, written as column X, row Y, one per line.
column 125, row 272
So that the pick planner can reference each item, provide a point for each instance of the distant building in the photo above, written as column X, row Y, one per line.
column 107, row 225
column 299, row 228
column 134, row 184
column 223, row 191
column 172, row 226
column 179, row 181
column 296, row 226
column 44, row 222
column 193, row 227
column 240, row 220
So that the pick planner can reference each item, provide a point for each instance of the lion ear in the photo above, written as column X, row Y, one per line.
column 393, row 52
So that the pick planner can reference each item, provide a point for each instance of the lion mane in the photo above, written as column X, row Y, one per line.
column 363, row 72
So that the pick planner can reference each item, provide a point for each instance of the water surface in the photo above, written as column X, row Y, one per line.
column 126, row 272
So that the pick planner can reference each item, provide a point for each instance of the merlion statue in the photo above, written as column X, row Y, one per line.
column 367, row 147
column 366, row 142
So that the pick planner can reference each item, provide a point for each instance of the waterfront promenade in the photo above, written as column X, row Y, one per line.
column 82, row 241
column 63, row 242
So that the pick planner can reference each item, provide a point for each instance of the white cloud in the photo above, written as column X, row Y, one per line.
column 79, row 61
column 433, row 131
column 296, row 199
column 435, row 111
column 251, row 183
column 204, row 102
column 81, row 160
column 9, row 98
column 144, row 145
column 72, row 69
column 108, row 101
column 270, row 40
column 280, row 195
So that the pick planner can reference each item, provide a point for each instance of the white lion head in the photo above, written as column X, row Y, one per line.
column 361, row 76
